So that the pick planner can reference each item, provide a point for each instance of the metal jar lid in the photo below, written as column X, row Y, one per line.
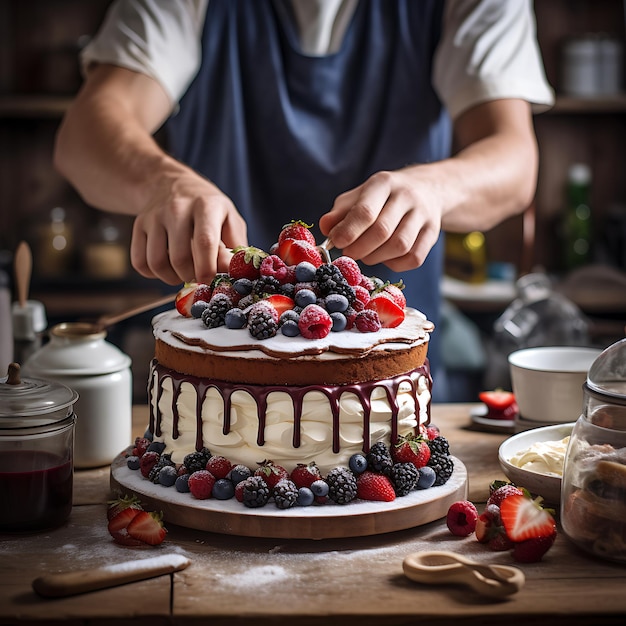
column 607, row 374
column 26, row 402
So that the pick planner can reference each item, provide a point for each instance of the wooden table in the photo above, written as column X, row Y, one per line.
column 235, row 580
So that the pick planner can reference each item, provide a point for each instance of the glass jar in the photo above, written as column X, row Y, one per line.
column 593, row 493
column 36, row 452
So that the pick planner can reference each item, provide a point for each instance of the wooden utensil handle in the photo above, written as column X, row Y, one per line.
column 81, row 581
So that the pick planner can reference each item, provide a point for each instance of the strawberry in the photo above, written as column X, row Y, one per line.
column 532, row 550
column 297, row 230
column 524, row 518
column 461, row 518
column 185, row 298
column 293, row 251
column 219, row 466
column 140, row 447
column 501, row 491
column 432, row 432
column 394, row 291
column 489, row 529
column 203, row 292
column 411, row 449
column 280, row 302
column 500, row 404
column 373, row 486
column 367, row 321
column 118, row 527
column 389, row 313
column 271, row 473
column 148, row 528
column 246, row 262
column 147, row 462
column 115, row 507
column 305, row 475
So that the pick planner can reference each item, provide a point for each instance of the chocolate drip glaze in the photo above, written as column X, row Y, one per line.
column 260, row 393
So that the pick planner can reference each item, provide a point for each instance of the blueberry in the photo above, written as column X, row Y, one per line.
column 235, row 318
column 156, row 446
column 290, row 328
column 289, row 314
column 427, row 477
column 148, row 435
column 223, row 489
column 132, row 462
column 357, row 463
column 305, row 497
column 197, row 308
column 243, row 286
column 319, row 488
column 304, row 297
column 167, row 476
column 239, row 473
column 339, row 322
column 336, row 302
column 305, row 272
column 182, row 483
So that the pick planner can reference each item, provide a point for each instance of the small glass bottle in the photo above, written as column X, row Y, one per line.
column 577, row 227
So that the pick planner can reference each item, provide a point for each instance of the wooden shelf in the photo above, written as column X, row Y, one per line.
column 27, row 106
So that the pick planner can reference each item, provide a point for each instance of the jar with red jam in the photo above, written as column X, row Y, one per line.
column 36, row 452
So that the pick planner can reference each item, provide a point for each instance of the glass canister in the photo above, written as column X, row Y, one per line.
column 593, row 493
column 36, row 452
column 79, row 356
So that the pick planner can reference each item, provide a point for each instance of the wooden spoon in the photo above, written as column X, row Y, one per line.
column 113, row 318
column 443, row 567
column 23, row 271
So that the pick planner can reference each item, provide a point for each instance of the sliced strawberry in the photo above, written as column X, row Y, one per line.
column 118, row 527
column 119, row 504
column 532, row 550
column 294, row 251
column 246, row 262
column 280, row 302
column 524, row 518
column 394, row 291
column 504, row 490
column 497, row 399
column 148, row 528
column 389, row 313
column 299, row 230
column 185, row 298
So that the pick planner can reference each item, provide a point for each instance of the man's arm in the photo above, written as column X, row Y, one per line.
column 396, row 217
column 185, row 225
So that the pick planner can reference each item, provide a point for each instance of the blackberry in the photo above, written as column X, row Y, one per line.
column 288, row 289
column 285, row 494
column 379, row 458
column 165, row 460
column 439, row 445
column 404, row 477
column 326, row 273
column 215, row 314
column 343, row 289
column 443, row 466
column 247, row 301
column 341, row 485
column 262, row 325
column 255, row 492
column 266, row 286
column 195, row 461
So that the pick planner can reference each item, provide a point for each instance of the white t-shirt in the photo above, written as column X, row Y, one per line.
column 488, row 49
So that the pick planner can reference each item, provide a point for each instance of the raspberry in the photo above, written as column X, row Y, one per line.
column 461, row 518
column 147, row 462
column 362, row 296
column 201, row 484
column 367, row 321
column 349, row 269
column 219, row 466
column 274, row 266
column 141, row 445
column 314, row 322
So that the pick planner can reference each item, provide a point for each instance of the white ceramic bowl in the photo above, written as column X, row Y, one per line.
column 548, row 382
column 546, row 485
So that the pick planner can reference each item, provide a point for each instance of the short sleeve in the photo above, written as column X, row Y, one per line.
column 489, row 51
column 159, row 38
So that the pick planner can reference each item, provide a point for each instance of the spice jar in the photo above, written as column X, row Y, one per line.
column 36, row 452
column 79, row 356
column 593, row 492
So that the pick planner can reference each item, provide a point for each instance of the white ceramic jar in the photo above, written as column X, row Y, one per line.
column 79, row 357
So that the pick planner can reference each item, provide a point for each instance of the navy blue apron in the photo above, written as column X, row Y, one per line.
column 283, row 133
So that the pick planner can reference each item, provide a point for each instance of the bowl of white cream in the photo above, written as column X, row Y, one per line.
column 534, row 459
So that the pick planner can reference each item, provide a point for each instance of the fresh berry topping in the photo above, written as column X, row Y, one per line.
column 246, row 262
column 156, row 446
column 285, row 494
column 461, row 518
column 336, row 303
column 290, row 328
column 141, row 445
column 443, row 466
column 404, row 477
column 239, row 473
column 357, row 463
column 532, row 550
column 201, row 484
column 524, row 518
column 147, row 462
column 389, row 313
column 319, row 488
column 411, row 449
column 262, row 322
column 314, row 322
column 304, row 272
column 502, row 492
column 223, row 489
column 342, row 485
column 426, row 478
column 303, row 475
column 439, row 445
column 215, row 313
column 182, row 483
column 235, row 319
column 340, row 322
column 185, row 298
column 133, row 462
column 167, row 476
column 273, row 265
column 367, row 321
column 280, row 302
column 372, row 486
column 265, row 286
column 198, row 308
column 293, row 251
column 115, row 507
column 219, row 466
column 432, row 431
column 349, row 269
column 379, row 458
column 304, row 297
column 500, row 404
column 165, row 460
column 305, row 497
column 362, row 296
column 255, row 492
column 271, row 473
column 148, row 528
column 195, row 461
column 243, row 286
column 297, row 229
column 394, row 291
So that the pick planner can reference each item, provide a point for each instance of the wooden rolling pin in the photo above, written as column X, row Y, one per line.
column 81, row 581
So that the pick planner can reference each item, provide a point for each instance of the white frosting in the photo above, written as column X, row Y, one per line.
column 543, row 457
column 239, row 445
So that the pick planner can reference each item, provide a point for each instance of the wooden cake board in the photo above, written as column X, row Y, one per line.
column 357, row 519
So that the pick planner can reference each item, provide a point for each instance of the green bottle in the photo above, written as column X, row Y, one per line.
column 577, row 231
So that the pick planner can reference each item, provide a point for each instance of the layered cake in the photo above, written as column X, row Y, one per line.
column 289, row 358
